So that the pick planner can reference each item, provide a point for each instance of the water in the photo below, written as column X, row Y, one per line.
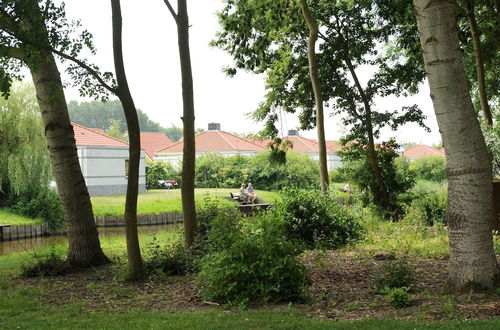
column 31, row 244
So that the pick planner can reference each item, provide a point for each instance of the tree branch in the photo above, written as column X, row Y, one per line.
column 13, row 52
column 85, row 66
column 171, row 9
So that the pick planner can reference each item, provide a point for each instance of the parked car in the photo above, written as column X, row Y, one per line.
column 167, row 184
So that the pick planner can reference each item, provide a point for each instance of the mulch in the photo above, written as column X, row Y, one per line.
column 343, row 288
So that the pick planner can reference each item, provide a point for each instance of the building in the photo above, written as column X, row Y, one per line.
column 421, row 150
column 104, row 162
column 152, row 142
column 310, row 147
column 212, row 141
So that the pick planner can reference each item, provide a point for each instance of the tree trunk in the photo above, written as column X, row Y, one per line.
column 372, row 154
column 313, row 72
column 84, row 246
column 470, row 193
column 135, row 266
column 188, row 158
column 478, row 54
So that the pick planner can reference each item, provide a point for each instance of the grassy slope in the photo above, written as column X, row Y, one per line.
column 159, row 201
column 9, row 218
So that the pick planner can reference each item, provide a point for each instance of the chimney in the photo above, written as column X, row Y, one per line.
column 293, row 132
column 214, row 126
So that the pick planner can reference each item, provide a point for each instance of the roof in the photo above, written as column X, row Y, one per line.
column 303, row 145
column 89, row 137
column 421, row 150
column 214, row 141
column 151, row 142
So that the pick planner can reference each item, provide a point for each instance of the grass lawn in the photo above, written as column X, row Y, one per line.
column 9, row 218
column 160, row 201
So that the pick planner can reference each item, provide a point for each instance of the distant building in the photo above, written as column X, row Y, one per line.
column 421, row 150
column 104, row 162
column 212, row 141
column 152, row 142
column 310, row 147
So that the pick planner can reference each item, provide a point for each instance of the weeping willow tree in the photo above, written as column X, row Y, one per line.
column 24, row 159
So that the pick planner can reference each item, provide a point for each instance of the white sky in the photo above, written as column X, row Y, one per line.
column 152, row 66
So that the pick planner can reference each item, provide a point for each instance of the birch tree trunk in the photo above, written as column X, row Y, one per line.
column 135, row 266
column 313, row 72
column 84, row 246
column 470, row 192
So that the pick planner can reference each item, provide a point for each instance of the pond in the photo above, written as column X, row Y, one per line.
column 105, row 233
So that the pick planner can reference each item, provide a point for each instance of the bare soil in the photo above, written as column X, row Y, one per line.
column 343, row 288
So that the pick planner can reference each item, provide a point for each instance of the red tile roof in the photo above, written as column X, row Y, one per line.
column 421, row 150
column 213, row 141
column 304, row 145
column 88, row 137
column 151, row 142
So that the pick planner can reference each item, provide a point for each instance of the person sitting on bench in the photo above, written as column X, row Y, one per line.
column 243, row 194
column 251, row 194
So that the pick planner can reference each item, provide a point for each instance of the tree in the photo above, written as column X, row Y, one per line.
column 188, row 155
column 269, row 36
column 173, row 132
column 470, row 209
column 135, row 265
column 316, row 86
column 28, row 32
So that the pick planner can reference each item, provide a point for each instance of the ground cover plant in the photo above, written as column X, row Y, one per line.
column 7, row 217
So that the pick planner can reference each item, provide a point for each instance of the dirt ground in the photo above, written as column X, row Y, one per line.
column 343, row 288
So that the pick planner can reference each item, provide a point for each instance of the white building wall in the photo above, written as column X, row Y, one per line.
column 104, row 169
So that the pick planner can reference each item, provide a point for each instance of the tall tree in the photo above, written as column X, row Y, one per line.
column 24, row 37
column 135, row 266
column 470, row 193
column 188, row 156
column 316, row 86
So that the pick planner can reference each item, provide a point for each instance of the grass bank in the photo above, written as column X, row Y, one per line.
column 9, row 218
column 160, row 201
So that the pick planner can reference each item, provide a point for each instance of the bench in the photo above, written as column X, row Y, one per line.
column 236, row 197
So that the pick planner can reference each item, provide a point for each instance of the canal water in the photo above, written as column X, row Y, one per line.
column 31, row 244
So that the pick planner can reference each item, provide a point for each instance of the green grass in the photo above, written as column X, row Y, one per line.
column 9, row 218
column 23, row 309
column 161, row 201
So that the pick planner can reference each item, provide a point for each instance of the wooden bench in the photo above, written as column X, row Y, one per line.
column 236, row 197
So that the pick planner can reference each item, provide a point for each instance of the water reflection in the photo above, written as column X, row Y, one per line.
column 30, row 244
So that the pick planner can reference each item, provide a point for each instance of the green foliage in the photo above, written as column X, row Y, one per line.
column 315, row 219
column 397, row 176
column 160, row 170
column 251, row 264
column 45, row 264
column 398, row 297
column 492, row 139
column 170, row 259
column 431, row 168
column 393, row 275
column 216, row 171
column 173, row 132
column 24, row 160
column 429, row 205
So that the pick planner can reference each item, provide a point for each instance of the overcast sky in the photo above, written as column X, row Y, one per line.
column 152, row 66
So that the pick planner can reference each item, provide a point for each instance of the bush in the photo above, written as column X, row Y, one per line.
column 171, row 259
column 250, row 265
column 398, row 297
column 395, row 274
column 45, row 264
column 160, row 171
column 316, row 220
column 431, row 168
column 428, row 206
column 42, row 204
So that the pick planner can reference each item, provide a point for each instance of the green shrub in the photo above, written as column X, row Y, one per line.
column 428, row 206
column 398, row 297
column 316, row 220
column 251, row 265
column 45, row 264
column 171, row 259
column 431, row 168
column 394, row 274
column 42, row 204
